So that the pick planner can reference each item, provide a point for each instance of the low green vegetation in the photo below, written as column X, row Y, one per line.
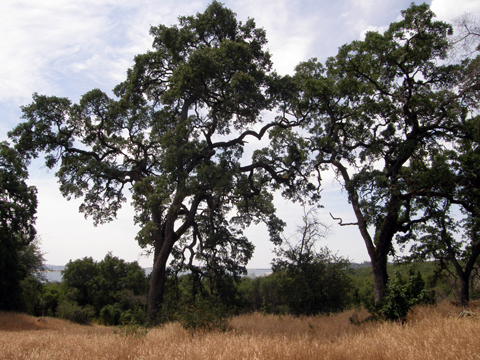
column 114, row 292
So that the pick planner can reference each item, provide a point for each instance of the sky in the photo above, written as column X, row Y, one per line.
column 68, row 47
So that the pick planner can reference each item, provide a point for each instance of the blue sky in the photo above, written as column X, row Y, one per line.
column 68, row 47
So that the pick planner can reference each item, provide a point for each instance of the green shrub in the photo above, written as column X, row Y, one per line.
column 203, row 316
column 110, row 314
column 403, row 294
column 133, row 317
column 70, row 310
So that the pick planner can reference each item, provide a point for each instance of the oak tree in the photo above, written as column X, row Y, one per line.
column 174, row 136
column 375, row 114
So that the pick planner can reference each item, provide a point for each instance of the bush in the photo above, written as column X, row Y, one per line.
column 49, row 300
column 70, row 310
column 318, row 285
column 110, row 314
column 116, row 290
column 203, row 315
column 402, row 295
column 31, row 294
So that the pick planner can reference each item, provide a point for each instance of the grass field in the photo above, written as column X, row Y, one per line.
column 430, row 333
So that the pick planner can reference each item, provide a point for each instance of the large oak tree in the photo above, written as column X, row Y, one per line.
column 376, row 114
column 174, row 135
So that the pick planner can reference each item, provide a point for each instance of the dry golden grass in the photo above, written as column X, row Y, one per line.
column 430, row 333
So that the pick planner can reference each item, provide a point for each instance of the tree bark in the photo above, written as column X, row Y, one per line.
column 380, row 278
column 158, row 278
column 167, row 238
column 464, row 289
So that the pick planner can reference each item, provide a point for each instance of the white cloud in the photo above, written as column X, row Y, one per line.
column 379, row 29
column 448, row 10
column 372, row 15
column 41, row 34
column 46, row 43
column 289, row 31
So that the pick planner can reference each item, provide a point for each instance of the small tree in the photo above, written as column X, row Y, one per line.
column 33, row 264
column 403, row 294
column 311, row 281
column 107, row 289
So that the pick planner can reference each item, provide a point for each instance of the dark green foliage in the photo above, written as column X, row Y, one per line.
column 203, row 301
column 405, row 290
column 113, row 289
column 311, row 281
column 32, row 290
column 70, row 310
column 261, row 294
column 50, row 297
column 437, row 280
column 403, row 294
column 203, row 315
column 31, row 261
column 18, row 205
column 305, row 281
column 320, row 284
column 77, row 278
column 110, row 314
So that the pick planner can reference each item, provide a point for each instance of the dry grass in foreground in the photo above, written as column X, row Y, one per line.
column 431, row 333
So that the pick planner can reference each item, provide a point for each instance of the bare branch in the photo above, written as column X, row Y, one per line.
column 341, row 221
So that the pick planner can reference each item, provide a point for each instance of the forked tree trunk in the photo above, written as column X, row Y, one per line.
column 163, row 248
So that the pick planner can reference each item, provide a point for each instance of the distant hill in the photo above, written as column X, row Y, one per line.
column 362, row 265
column 55, row 267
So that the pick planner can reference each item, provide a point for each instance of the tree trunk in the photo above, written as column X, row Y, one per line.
column 378, row 252
column 380, row 278
column 464, row 289
column 170, row 236
column 157, row 289
column 158, row 278
column 464, row 274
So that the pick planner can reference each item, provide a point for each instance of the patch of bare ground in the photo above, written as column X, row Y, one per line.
column 430, row 333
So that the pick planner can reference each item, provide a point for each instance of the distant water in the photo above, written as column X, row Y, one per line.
column 56, row 275
column 53, row 276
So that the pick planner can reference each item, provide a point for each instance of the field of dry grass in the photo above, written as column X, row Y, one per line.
column 430, row 333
